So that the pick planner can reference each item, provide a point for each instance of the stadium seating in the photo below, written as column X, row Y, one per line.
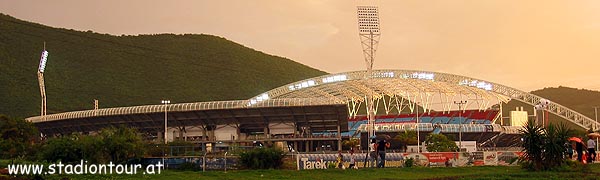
column 452, row 117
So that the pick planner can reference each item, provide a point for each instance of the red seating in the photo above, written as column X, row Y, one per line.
column 470, row 114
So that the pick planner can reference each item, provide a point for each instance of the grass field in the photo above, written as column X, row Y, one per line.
column 480, row 172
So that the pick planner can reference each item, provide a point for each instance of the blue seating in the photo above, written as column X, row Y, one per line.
column 444, row 120
column 424, row 119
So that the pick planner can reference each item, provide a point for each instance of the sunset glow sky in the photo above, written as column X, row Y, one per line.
column 523, row 44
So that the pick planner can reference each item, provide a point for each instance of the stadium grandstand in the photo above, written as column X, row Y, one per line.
column 318, row 113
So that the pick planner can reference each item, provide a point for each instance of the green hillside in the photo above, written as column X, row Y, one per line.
column 580, row 100
column 130, row 70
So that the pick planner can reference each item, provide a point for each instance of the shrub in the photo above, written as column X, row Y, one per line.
column 119, row 145
column 440, row 143
column 262, row 158
column 188, row 166
column 544, row 147
column 410, row 162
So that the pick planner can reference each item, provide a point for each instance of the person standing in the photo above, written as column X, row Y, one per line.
column 340, row 160
column 569, row 150
column 579, row 149
column 372, row 152
column 381, row 148
column 352, row 160
column 591, row 147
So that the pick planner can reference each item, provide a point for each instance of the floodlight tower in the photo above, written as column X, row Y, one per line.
column 368, row 30
column 40, row 74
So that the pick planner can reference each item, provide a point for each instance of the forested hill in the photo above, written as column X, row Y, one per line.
column 130, row 70
column 580, row 100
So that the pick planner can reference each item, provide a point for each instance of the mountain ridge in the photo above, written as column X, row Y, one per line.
column 130, row 69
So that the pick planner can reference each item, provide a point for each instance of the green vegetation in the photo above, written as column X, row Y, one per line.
column 544, row 147
column 117, row 145
column 440, row 143
column 18, row 138
column 130, row 70
column 350, row 144
column 403, row 139
column 262, row 158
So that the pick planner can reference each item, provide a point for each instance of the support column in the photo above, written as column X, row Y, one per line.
column 501, row 115
column 297, row 149
column 159, row 136
column 266, row 132
column 307, row 146
column 339, row 137
column 204, row 134
column 181, row 130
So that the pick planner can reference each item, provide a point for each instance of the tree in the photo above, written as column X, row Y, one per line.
column 350, row 144
column 18, row 136
column 119, row 145
column 122, row 144
column 65, row 149
column 544, row 147
column 440, row 143
column 403, row 139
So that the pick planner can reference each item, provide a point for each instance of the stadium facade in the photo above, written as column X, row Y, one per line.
column 317, row 113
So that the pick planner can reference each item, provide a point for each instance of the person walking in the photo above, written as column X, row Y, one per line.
column 381, row 148
column 591, row 147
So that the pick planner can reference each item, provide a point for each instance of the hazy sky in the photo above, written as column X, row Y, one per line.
column 527, row 44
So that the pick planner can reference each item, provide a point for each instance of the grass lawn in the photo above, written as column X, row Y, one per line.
column 480, row 172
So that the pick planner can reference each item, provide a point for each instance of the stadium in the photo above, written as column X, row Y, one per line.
column 316, row 114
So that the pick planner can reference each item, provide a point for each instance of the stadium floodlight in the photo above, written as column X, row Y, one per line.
column 43, row 61
column 368, row 31
column 40, row 74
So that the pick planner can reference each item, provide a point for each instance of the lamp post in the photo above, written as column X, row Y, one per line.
column 166, row 104
column 596, row 113
column 418, row 132
column 460, row 103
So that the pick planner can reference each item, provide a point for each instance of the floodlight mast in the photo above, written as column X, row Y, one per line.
column 368, row 30
column 40, row 74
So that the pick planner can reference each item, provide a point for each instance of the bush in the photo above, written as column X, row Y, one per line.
column 17, row 137
column 440, row 143
column 262, row 158
column 544, row 147
column 188, row 166
column 410, row 162
column 119, row 145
